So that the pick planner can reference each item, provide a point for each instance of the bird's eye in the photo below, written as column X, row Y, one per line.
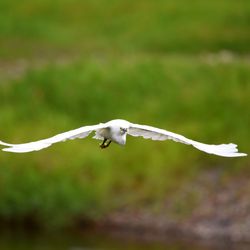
column 123, row 130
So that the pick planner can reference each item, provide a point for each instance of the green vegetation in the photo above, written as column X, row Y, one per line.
column 32, row 28
column 68, row 64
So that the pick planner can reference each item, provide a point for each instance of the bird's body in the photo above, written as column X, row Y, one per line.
column 116, row 131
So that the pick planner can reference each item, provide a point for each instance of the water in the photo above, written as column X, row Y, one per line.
column 93, row 240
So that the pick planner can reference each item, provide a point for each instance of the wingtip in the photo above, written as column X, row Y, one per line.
column 6, row 150
column 4, row 143
column 235, row 155
column 233, row 150
column 226, row 150
column 12, row 150
column 242, row 154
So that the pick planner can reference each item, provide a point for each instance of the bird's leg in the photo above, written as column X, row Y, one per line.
column 104, row 144
column 107, row 144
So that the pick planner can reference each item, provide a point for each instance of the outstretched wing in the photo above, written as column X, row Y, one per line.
column 148, row 132
column 38, row 145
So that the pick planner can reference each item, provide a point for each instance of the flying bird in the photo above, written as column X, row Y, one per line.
column 117, row 131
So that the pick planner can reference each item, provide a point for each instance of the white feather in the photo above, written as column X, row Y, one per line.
column 38, row 145
column 116, row 131
column 148, row 132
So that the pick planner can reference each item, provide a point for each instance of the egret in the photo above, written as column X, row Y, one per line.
column 117, row 131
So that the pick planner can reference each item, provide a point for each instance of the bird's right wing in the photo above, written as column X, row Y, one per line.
column 81, row 132
column 148, row 132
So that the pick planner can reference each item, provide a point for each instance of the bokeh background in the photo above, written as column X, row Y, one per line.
column 183, row 66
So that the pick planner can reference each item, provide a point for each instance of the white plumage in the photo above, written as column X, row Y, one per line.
column 116, row 131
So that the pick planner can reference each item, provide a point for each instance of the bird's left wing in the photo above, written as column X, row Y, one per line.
column 148, row 132
column 81, row 132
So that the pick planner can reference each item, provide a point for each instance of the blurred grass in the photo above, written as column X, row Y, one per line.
column 159, row 63
column 31, row 27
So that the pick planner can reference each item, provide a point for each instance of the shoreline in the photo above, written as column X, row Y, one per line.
column 219, row 213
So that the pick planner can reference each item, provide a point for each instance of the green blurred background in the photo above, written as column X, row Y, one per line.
column 183, row 66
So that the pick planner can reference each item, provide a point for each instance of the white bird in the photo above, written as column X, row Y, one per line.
column 116, row 131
